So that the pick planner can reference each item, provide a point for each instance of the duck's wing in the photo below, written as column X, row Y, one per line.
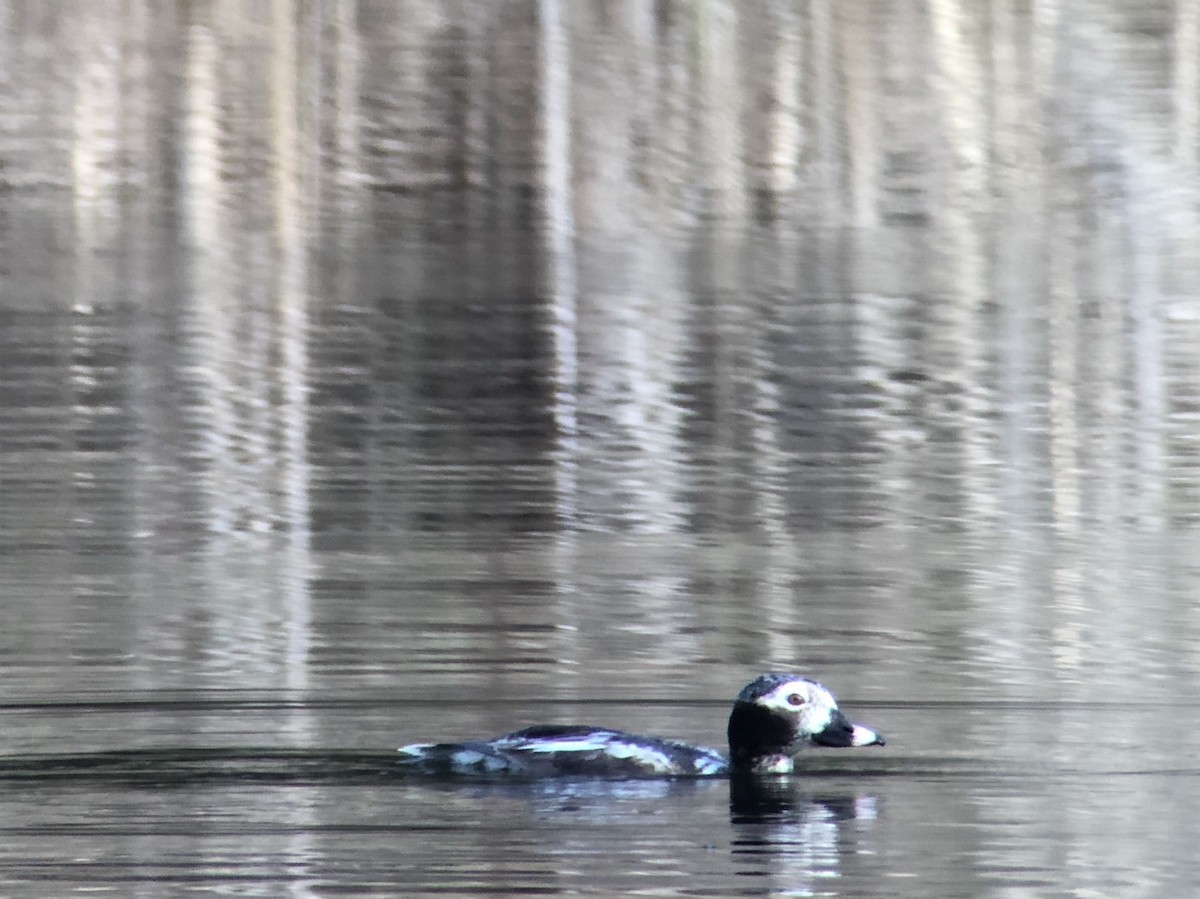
column 523, row 752
column 565, row 750
column 581, row 750
column 703, row 761
column 449, row 759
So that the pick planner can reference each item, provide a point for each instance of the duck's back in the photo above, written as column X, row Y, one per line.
column 555, row 750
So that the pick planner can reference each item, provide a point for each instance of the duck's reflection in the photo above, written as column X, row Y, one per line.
column 796, row 833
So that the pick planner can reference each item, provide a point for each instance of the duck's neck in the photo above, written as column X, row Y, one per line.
column 759, row 741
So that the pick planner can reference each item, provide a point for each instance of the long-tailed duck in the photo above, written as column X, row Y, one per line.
column 775, row 717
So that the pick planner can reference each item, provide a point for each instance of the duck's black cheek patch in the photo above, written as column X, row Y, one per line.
column 755, row 732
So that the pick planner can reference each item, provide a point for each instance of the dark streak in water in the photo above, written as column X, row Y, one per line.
column 152, row 767
column 189, row 766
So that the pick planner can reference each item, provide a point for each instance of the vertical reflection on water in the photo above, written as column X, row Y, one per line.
column 294, row 131
column 210, row 336
column 768, row 460
column 799, row 838
column 243, row 331
column 557, row 232
column 785, row 385
column 956, row 311
column 629, row 351
column 757, row 333
column 560, row 292
column 1063, row 319
column 295, row 175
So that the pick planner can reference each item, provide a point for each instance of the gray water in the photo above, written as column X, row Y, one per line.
column 197, row 700
column 374, row 373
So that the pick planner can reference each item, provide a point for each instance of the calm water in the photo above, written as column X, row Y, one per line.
column 202, row 699
column 373, row 373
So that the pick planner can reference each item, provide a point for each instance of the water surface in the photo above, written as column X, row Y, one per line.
column 374, row 373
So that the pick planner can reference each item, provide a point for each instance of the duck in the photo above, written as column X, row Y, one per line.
column 773, row 720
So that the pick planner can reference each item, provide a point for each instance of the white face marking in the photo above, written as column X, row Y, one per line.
column 811, row 703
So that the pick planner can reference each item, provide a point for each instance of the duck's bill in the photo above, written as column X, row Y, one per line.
column 841, row 733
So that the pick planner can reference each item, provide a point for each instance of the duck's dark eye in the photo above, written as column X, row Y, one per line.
column 795, row 700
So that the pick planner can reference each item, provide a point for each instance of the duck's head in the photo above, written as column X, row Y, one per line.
column 777, row 715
